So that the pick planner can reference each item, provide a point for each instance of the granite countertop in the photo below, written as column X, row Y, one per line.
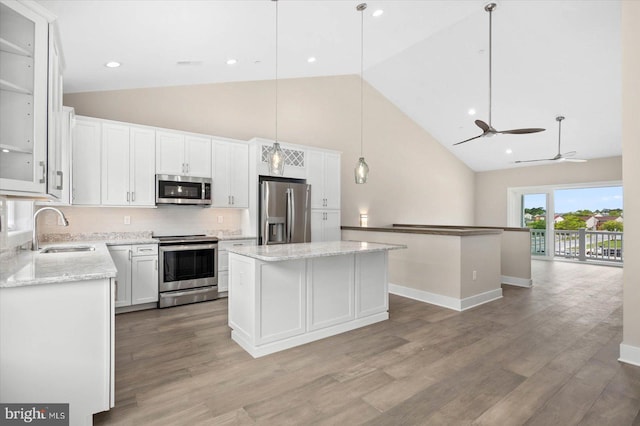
column 34, row 268
column 504, row 228
column 458, row 232
column 108, row 238
column 235, row 237
column 280, row 252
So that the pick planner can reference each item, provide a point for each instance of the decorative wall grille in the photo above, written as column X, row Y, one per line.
column 292, row 157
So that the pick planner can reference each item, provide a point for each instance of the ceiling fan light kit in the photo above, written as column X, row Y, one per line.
column 559, row 156
column 487, row 129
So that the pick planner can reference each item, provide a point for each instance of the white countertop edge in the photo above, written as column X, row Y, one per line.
column 31, row 268
column 282, row 252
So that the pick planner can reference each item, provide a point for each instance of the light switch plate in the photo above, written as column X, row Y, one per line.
column 127, row 220
column 220, row 219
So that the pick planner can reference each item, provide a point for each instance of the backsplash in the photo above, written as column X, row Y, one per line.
column 164, row 220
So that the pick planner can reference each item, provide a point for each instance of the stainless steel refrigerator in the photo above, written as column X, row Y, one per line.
column 285, row 211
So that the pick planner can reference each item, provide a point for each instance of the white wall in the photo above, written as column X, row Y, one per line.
column 413, row 178
column 631, row 170
column 491, row 187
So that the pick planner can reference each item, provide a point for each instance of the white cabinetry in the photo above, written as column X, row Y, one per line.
column 137, row 277
column 183, row 154
column 223, row 260
column 23, row 99
column 325, row 225
column 86, row 148
column 323, row 173
column 58, row 346
column 275, row 305
column 230, row 174
column 128, row 155
column 55, row 165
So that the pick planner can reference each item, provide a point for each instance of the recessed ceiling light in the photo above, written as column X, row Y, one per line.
column 232, row 61
column 189, row 63
column 5, row 150
column 378, row 12
column 112, row 64
column 509, row 151
column 311, row 59
column 472, row 111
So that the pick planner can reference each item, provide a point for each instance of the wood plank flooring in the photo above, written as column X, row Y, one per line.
column 540, row 356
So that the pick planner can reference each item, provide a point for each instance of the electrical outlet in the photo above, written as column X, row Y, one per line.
column 475, row 275
column 220, row 219
column 127, row 220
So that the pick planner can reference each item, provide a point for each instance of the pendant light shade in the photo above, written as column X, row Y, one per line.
column 276, row 160
column 276, row 156
column 362, row 169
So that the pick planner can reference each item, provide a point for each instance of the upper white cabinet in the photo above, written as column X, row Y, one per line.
column 23, row 99
column 323, row 173
column 86, row 164
column 57, row 168
column 230, row 174
column 182, row 154
column 128, row 164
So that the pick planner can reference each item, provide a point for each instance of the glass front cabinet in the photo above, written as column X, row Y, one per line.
column 24, row 104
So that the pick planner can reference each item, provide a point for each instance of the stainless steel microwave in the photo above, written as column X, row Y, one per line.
column 172, row 189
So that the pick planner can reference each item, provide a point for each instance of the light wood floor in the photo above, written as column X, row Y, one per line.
column 540, row 356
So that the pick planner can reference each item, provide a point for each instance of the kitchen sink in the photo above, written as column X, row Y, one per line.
column 66, row 249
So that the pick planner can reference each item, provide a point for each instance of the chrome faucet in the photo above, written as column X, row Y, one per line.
column 34, row 238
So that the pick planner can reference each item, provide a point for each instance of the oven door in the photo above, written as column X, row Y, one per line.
column 188, row 266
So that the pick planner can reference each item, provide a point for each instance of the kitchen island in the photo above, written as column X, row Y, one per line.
column 281, row 296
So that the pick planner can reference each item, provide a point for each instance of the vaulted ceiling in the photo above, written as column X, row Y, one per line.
column 430, row 58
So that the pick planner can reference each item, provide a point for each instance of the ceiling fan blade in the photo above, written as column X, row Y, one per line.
column 532, row 161
column 484, row 126
column 521, row 131
column 470, row 139
column 575, row 160
column 569, row 154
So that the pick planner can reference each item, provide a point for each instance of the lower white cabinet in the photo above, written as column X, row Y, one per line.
column 325, row 225
column 137, row 277
column 58, row 346
column 223, row 260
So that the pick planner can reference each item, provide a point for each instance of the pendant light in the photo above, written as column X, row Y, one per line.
column 276, row 156
column 362, row 169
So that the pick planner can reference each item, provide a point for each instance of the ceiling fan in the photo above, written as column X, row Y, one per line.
column 559, row 157
column 488, row 129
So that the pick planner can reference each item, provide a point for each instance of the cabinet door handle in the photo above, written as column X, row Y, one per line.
column 156, row 264
column 60, row 174
column 229, row 199
column 130, row 254
column 186, row 166
column 133, row 196
column 233, row 199
column 43, row 179
column 127, row 196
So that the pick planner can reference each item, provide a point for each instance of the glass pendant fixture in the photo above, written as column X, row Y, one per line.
column 362, row 169
column 276, row 156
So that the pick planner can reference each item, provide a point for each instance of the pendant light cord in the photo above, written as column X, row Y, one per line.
column 276, row 1
column 361, row 8
column 559, row 131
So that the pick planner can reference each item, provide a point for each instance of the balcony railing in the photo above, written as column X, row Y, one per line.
column 580, row 244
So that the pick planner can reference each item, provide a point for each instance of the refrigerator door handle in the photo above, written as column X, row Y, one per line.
column 292, row 216
column 265, row 202
column 289, row 214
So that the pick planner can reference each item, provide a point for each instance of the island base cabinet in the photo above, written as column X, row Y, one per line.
column 56, row 346
column 372, row 284
column 276, row 305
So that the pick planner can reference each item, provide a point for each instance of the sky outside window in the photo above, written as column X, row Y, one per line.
column 571, row 200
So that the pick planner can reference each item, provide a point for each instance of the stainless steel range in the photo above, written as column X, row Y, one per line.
column 189, row 269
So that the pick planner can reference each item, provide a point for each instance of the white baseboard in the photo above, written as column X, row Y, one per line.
column 445, row 301
column 516, row 281
column 629, row 354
